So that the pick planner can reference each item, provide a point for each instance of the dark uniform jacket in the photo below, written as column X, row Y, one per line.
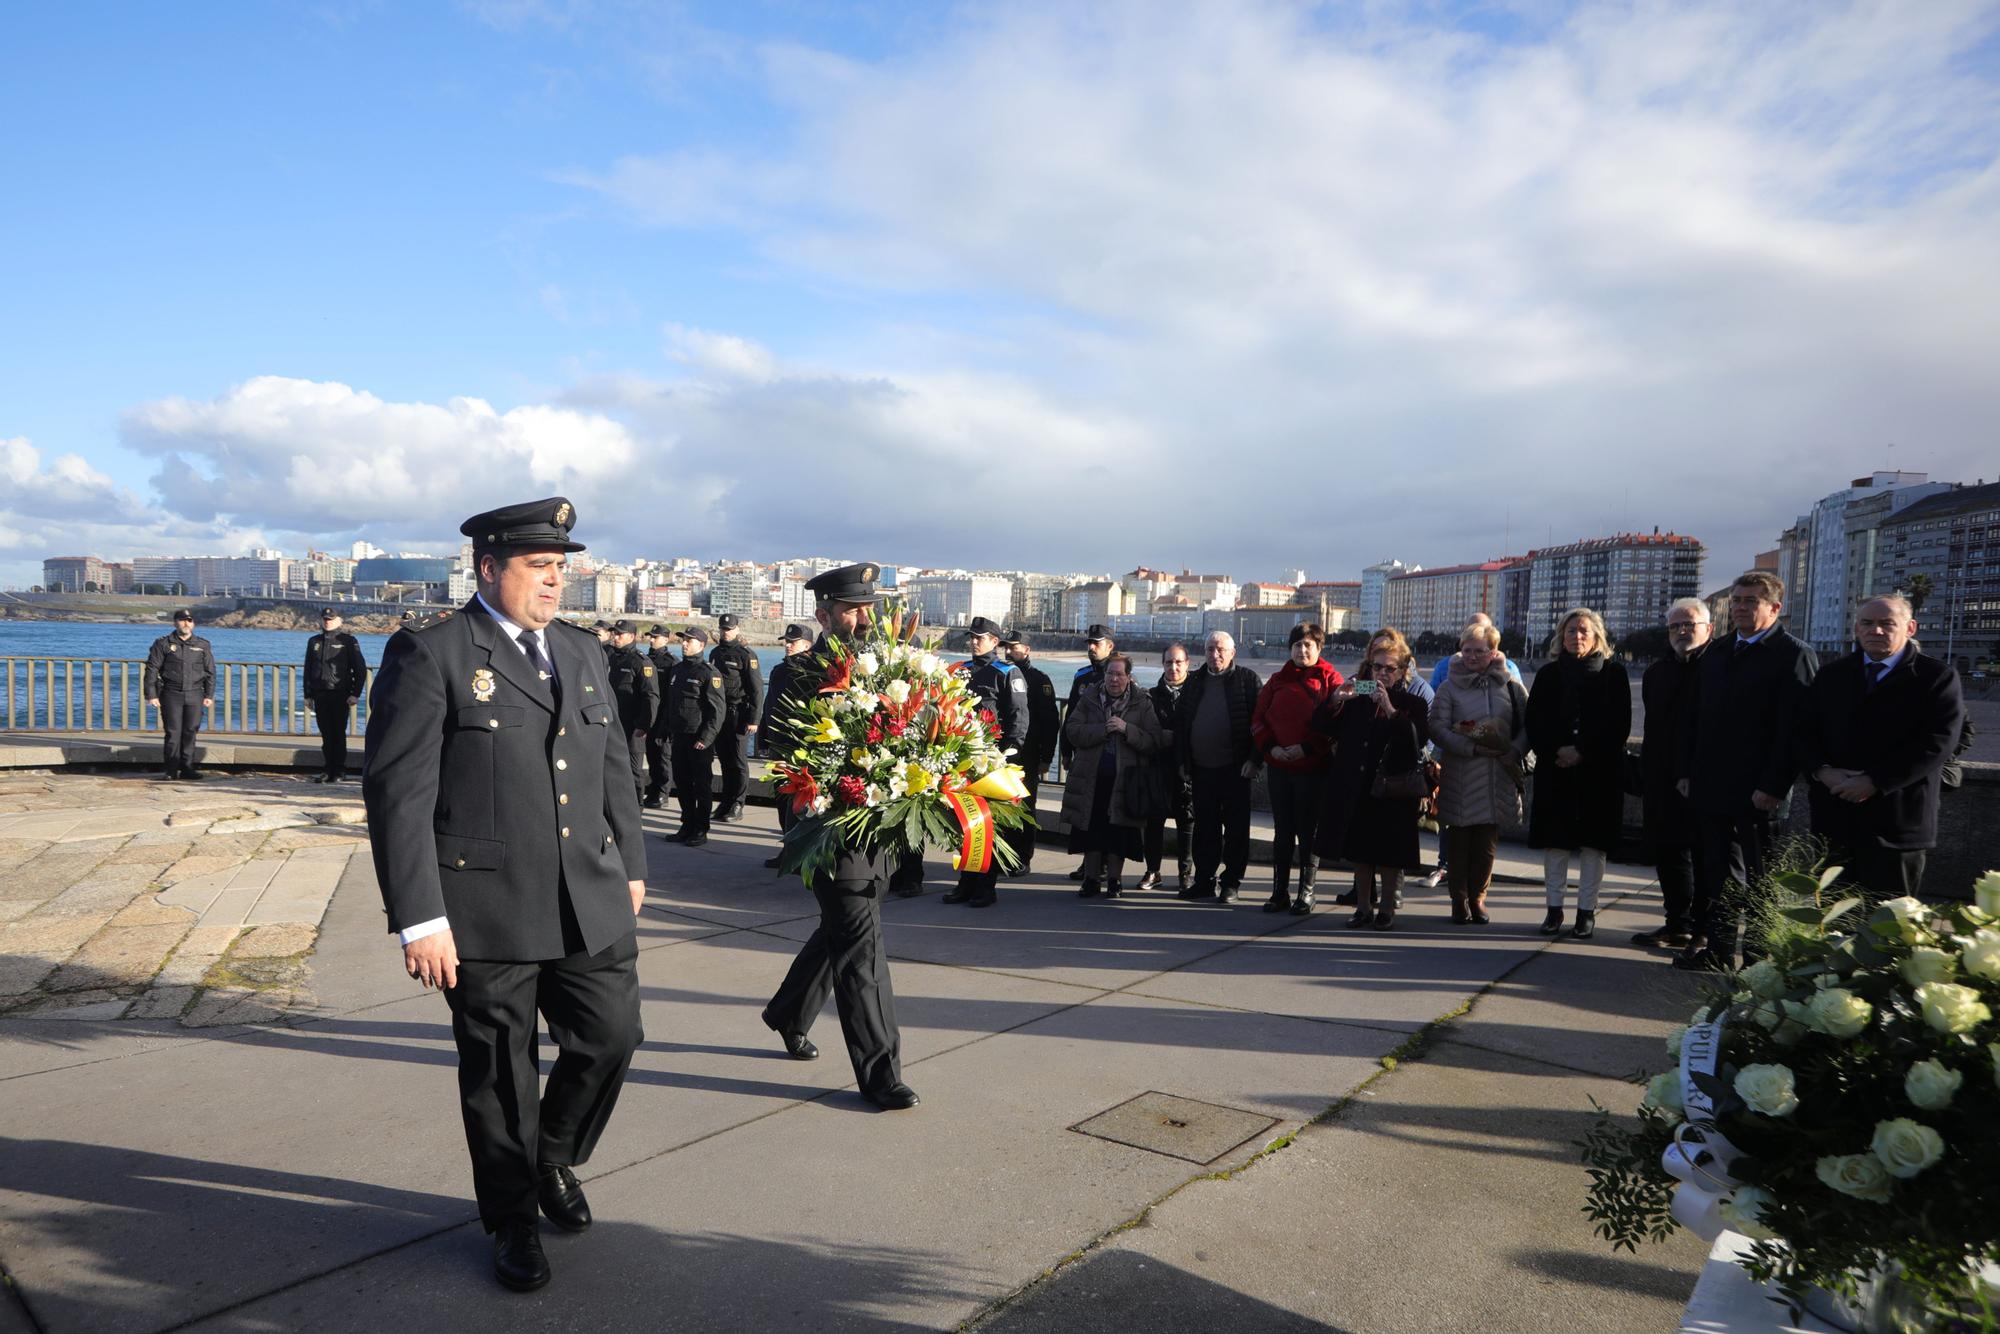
column 489, row 794
column 636, row 688
column 1900, row 733
column 1001, row 688
column 1741, row 735
column 694, row 702
column 1044, row 719
column 742, row 682
column 852, row 870
column 774, row 733
column 177, row 667
column 1241, row 686
column 1667, row 690
column 664, row 662
column 334, row 665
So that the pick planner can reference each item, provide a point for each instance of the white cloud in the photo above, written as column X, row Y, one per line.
column 67, row 507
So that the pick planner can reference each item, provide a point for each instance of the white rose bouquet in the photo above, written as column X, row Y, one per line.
column 1853, row 1076
column 893, row 753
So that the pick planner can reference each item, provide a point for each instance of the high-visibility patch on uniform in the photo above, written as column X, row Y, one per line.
column 715, row 681
column 649, row 669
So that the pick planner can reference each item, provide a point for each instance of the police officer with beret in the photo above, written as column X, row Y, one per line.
column 1003, row 691
column 1044, row 729
column 638, row 694
column 1098, row 647
column 179, row 682
column 695, row 717
column 507, row 845
column 844, row 956
column 774, row 735
column 335, row 675
column 660, row 657
column 743, row 691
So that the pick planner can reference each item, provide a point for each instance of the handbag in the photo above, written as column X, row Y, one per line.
column 1410, row 785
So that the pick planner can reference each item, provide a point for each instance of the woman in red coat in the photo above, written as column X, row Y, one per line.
column 1281, row 729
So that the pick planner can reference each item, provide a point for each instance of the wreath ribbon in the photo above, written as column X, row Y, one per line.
column 975, row 826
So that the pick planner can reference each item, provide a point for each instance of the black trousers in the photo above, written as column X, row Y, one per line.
column 1729, row 863
column 512, row 1120
column 1890, row 872
column 694, row 783
column 1022, row 840
column 330, row 710
column 638, row 743
column 1221, row 824
column 1295, row 803
column 1677, row 886
column 735, row 766
column 180, row 716
column 909, row 873
column 844, row 956
column 659, row 764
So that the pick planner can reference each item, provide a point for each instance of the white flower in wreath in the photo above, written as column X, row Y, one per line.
column 1981, row 955
column 1906, row 1147
column 1838, row 1012
column 821, row 804
column 1744, row 1209
column 1663, row 1093
column 1674, row 1040
column 867, row 664
column 898, row 691
column 1951, row 1008
column 1912, row 916
column 1932, row 1084
column 874, row 794
column 1765, row 980
column 1986, row 893
column 1769, row 1090
column 928, row 665
column 1858, row 1174
column 1927, row 963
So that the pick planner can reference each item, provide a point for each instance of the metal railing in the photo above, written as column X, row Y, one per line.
column 105, row 695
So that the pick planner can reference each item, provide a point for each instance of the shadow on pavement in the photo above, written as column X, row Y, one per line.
column 1119, row 1290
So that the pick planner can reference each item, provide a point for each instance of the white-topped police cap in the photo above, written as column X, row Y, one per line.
column 542, row 525
column 849, row 583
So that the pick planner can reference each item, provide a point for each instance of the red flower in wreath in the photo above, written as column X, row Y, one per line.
column 851, row 790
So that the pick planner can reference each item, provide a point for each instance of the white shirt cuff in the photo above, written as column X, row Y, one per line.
column 422, row 929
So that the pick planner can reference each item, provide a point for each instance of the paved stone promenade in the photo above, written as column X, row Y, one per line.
column 1104, row 1085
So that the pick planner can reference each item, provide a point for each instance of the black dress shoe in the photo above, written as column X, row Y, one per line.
column 652, row 803
column 561, row 1196
column 1077, row 874
column 694, row 840
column 193, row 776
column 518, row 1261
column 895, row 1098
column 1703, row 960
column 1667, row 936
column 906, row 891
column 772, row 863
column 983, row 901
column 1090, row 888
column 961, row 894
column 799, row 1047
column 1345, row 898
column 1225, row 893
column 1150, row 880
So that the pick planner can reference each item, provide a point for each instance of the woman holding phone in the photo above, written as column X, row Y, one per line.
column 1376, row 726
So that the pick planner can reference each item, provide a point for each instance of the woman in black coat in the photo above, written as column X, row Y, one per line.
column 1579, row 716
column 1376, row 725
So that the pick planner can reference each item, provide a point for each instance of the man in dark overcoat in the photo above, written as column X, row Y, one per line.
column 1666, row 689
column 659, row 766
column 179, row 682
column 844, row 956
column 743, row 700
column 637, row 691
column 1739, row 756
column 696, row 716
column 506, row 838
column 1880, row 725
column 335, row 676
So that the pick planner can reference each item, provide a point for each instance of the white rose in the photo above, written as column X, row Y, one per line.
column 1858, row 1174
column 1906, row 1147
column 1744, row 1209
column 1951, row 1008
column 898, row 692
column 1765, row 979
column 1911, row 916
column 1838, row 1012
column 867, row 664
column 1674, row 1042
column 1769, row 1090
column 1931, row 1085
column 1927, row 963
column 1981, row 955
column 928, row 665
column 1986, row 893
column 1663, row 1092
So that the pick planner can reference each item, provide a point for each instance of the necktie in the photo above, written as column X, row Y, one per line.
column 531, row 644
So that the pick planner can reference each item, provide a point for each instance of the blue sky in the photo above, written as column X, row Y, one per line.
column 1053, row 286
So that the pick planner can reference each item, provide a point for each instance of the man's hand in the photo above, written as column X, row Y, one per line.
column 352, row 700
column 638, row 888
column 154, row 703
column 208, row 703
column 1249, row 768
column 752, row 728
column 1681, row 786
column 1568, row 757
column 432, row 959
column 1765, row 802
column 1114, row 724
column 638, row 734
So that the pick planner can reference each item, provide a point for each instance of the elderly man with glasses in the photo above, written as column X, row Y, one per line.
column 1667, row 690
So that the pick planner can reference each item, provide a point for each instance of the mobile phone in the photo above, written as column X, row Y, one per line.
column 1364, row 687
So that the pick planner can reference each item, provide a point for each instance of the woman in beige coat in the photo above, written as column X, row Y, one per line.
column 1112, row 729
column 1479, row 722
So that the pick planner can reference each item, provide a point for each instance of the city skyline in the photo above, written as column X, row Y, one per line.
column 1266, row 286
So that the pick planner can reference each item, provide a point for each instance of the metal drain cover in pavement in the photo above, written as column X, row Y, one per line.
column 1199, row 1132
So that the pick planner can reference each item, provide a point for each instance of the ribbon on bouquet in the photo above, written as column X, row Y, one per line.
column 975, row 827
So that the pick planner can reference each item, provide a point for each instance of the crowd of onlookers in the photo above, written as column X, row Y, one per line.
column 1733, row 722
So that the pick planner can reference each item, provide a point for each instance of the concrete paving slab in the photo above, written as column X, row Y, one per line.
column 231, row 907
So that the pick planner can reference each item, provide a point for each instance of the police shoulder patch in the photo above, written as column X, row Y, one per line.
column 715, row 681
column 649, row 669
column 1020, row 686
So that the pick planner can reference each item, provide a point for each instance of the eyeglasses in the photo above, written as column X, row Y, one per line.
column 1684, row 627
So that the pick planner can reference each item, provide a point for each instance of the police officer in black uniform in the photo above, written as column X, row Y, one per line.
column 774, row 734
column 179, row 681
column 844, row 956
column 1098, row 647
column 660, row 656
column 695, row 715
column 743, row 689
column 1044, row 728
column 335, row 675
column 638, row 692
column 994, row 682
column 508, row 849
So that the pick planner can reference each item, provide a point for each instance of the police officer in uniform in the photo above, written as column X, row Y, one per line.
column 695, row 717
column 507, row 845
column 1044, row 729
column 774, row 734
column 994, row 682
column 638, row 692
column 335, row 675
column 179, row 682
column 844, row 956
column 660, row 657
column 1098, row 647
column 743, row 690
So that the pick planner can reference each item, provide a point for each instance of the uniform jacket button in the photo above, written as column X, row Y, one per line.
column 565, row 831
column 492, row 722
column 562, row 731
column 459, row 862
column 562, row 764
column 562, row 799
